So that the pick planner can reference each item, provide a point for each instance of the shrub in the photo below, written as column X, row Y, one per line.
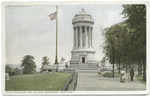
column 10, row 72
column 18, row 71
column 107, row 74
column 25, row 72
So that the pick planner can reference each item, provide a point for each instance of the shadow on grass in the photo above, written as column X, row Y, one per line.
column 139, row 78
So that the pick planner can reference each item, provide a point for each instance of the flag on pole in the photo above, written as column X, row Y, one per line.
column 53, row 16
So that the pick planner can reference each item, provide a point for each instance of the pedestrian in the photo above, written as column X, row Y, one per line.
column 132, row 74
column 99, row 72
column 129, row 78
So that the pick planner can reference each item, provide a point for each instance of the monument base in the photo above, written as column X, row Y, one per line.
column 83, row 67
column 83, row 59
column 83, row 56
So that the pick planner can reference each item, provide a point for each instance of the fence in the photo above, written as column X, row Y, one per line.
column 71, row 83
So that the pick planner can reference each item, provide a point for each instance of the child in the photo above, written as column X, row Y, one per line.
column 129, row 78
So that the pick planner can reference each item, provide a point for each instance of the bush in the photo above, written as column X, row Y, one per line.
column 10, row 72
column 107, row 74
column 49, row 70
column 7, row 67
column 110, row 74
column 99, row 73
column 18, row 71
column 27, row 72
column 45, row 70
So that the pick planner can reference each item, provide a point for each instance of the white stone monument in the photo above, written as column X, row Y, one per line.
column 6, row 76
column 62, row 63
column 82, row 52
column 108, row 65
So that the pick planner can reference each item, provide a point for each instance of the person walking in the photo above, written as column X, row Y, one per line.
column 132, row 74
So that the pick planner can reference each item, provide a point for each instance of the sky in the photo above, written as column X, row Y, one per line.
column 29, row 30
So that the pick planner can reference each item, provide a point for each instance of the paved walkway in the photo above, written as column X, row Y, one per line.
column 92, row 82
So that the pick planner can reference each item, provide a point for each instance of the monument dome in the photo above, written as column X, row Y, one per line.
column 82, row 17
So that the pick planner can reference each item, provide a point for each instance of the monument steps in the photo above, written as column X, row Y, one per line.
column 83, row 67
column 87, row 71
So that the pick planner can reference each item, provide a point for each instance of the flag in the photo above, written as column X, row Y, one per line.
column 53, row 16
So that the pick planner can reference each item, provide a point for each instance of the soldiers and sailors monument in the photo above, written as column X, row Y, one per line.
column 82, row 54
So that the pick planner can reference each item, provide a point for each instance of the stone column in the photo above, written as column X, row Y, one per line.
column 80, row 36
column 76, row 37
column 91, row 36
column 85, row 36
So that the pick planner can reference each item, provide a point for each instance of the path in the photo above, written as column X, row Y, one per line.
column 92, row 82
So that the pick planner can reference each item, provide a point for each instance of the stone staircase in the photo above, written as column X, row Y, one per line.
column 87, row 71
column 83, row 67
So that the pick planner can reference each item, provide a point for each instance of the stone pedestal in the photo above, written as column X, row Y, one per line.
column 83, row 57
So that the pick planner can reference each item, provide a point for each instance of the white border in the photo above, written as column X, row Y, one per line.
column 4, row 4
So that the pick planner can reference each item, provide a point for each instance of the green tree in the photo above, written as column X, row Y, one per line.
column 9, row 70
column 45, row 61
column 136, row 19
column 115, row 38
column 28, row 64
column 7, row 67
column 119, row 44
column 17, row 71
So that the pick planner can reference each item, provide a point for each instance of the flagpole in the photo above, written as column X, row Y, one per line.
column 56, row 60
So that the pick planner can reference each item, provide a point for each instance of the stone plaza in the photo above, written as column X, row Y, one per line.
column 91, row 82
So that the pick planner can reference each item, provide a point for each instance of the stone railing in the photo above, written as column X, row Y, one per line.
column 71, row 83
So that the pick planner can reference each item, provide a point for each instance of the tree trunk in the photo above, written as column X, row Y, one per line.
column 126, row 67
column 124, row 63
column 119, row 65
column 144, row 70
column 138, row 68
column 113, row 59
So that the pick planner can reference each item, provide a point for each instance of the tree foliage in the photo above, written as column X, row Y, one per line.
column 136, row 19
column 128, row 38
column 7, row 67
column 18, row 71
column 45, row 60
column 28, row 64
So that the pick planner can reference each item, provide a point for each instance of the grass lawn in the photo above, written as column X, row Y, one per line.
column 116, row 74
column 37, row 82
column 139, row 78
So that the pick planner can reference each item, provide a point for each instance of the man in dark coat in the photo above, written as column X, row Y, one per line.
column 132, row 74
